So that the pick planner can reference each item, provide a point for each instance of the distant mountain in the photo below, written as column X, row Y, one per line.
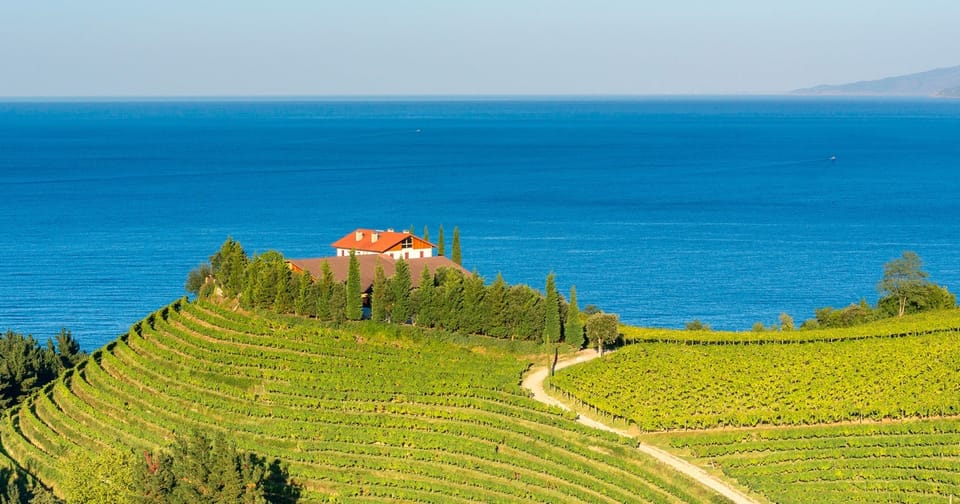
column 944, row 82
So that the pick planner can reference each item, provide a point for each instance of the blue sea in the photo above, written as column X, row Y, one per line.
column 663, row 210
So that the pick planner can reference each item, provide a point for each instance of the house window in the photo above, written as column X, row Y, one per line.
column 421, row 254
column 406, row 243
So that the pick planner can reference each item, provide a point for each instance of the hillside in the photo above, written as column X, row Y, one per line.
column 367, row 413
column 943, row 82
column 865, row 414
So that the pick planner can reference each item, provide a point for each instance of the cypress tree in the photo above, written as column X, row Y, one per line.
column 354, row 309
column 426, row 304
column 455, row 253
column 338, row 302
column 324, row 291
column 401, row 292
column 378, row 305
column 494, row 309
column 573, row 328
column 440, row 250
column 426, row 233
column 471, row 317
column 450, row 300
column 306, row 302
column 551, row 323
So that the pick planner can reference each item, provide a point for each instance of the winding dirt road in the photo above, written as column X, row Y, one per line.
column 534, row 383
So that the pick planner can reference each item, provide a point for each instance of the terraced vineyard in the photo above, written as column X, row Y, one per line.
column 868, row 416
column 358, row 415
column 914, row 461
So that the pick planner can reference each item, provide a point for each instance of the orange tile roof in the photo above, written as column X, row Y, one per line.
column 362, row 239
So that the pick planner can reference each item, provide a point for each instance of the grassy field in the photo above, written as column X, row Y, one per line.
column 360, row 414
column 867, row 414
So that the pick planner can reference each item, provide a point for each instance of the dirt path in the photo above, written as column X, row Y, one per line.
column 534, row 383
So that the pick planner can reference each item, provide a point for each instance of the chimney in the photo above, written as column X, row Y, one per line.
column 374, row 237
column 359, row 235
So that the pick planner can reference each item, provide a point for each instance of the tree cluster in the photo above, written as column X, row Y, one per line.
column 26, row 366
column 195, row 469
column 904, row 288
column 445, row 299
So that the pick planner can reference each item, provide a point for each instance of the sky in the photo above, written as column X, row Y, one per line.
column 103, row 48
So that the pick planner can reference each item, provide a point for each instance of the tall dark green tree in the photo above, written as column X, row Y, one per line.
column 440, row 249
column 471, row 316
column 68, row 349
column 354, row 301
column 378, row 304
column 229, row 266
column 426, row 233
column 551, row 323
column 450, row 300
column 400, row 285
column 573, row 326
column 455, row 255
column 306, row 302
column 338, row 302
column 495, row 308
column 324, row 291
column 425, row 300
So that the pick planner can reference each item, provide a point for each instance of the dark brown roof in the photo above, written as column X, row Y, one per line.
column 340, row 266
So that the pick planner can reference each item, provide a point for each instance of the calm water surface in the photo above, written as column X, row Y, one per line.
column 662, row 210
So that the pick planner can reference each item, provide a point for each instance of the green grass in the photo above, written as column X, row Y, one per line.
column 360, row 413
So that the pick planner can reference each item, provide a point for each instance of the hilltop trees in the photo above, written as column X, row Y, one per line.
column 447, row 298
column 378, row 305
column 400, row 287
column 904, row 288
column 26, row 366
column 440, row 249
column 573, row 327
column 229, row 266
column 455, row 246
column 354, row 301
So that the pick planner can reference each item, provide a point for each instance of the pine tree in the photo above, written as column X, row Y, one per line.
column 450, row 300
column 551, row 324
column 378, row 305
column 455, row 253
column 426, row 234
column 338, row 302
column 494, row 309
column 401, row 292
column 471, row 318
column 426, row 304
column 306, row 302
column 324, row 291
column 573, row 328
column 354, row 299
column 440, row 250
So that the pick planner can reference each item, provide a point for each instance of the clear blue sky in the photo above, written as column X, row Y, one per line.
column 403, row 47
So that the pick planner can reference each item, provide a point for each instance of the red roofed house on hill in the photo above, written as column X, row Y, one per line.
column 392, row 243
column 372, row 247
